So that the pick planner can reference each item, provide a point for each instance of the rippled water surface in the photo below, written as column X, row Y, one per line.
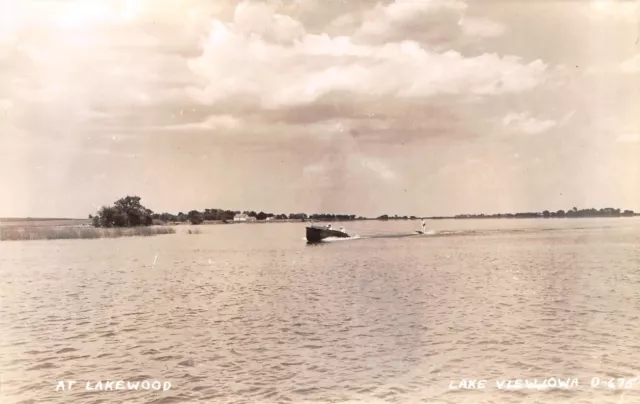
column 251, row 314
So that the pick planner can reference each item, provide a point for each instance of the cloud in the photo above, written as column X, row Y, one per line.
column 252, row 69
column 612, row 9
column 480, row 27
column 93, row 54
column 399, row 18
column 213, row 122
column 132, row 64
column 440, row 23
column 525, row 123
column 261, row 19
column 319, row 65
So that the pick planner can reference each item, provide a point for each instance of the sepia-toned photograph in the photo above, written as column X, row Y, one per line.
column 320, row 201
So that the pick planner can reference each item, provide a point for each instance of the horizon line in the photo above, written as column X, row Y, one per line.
column 330, row 213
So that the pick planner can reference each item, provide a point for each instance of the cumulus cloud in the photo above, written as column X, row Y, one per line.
column 263, row 20
column 402, row 16
column 318, row 65
column 438, row 23
column 102, row 57
column 343, row 78
column 251, row 68
column 93, row 54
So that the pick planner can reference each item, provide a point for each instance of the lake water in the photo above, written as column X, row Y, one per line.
column 251, row 314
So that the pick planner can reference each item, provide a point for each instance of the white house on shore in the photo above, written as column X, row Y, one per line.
column 243, row 217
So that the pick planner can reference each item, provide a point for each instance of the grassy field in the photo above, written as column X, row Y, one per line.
column 42, row 222
column 71, row 229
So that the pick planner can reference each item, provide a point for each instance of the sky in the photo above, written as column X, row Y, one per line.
column 422, row 107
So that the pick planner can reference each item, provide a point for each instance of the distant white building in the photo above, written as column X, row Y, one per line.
column 243, row 217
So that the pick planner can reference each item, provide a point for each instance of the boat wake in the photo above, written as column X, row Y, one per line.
column 401, row 235
column 336, row 239
column 414, row 234
column 430, row 233
column 380, row 235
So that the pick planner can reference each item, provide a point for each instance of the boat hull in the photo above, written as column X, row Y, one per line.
column 317, row 234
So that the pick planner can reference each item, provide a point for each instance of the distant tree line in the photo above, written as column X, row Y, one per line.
column 129, row 212
column 196, row 217
column 333, row 217
column 571, row 213
column 396, row 217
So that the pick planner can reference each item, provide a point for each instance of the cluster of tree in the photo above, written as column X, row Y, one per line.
column 327, row 217
column 130, row 212
column 396, row 217
column 572, row 213
column 196, row 217
column 125, row 212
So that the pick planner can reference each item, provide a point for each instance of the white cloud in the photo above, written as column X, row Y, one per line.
column 525, row 123
column 480, row 27
column 83, row 54
column 261, row 19
column 383, row 20
column 437, row 22
column 213, row 122
column 317, row 65
column 122, row 56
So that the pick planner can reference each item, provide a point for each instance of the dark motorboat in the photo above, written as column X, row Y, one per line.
column 316, row 234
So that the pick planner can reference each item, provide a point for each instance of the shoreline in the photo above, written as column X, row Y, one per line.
column 86, row 223
column 16, row 230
